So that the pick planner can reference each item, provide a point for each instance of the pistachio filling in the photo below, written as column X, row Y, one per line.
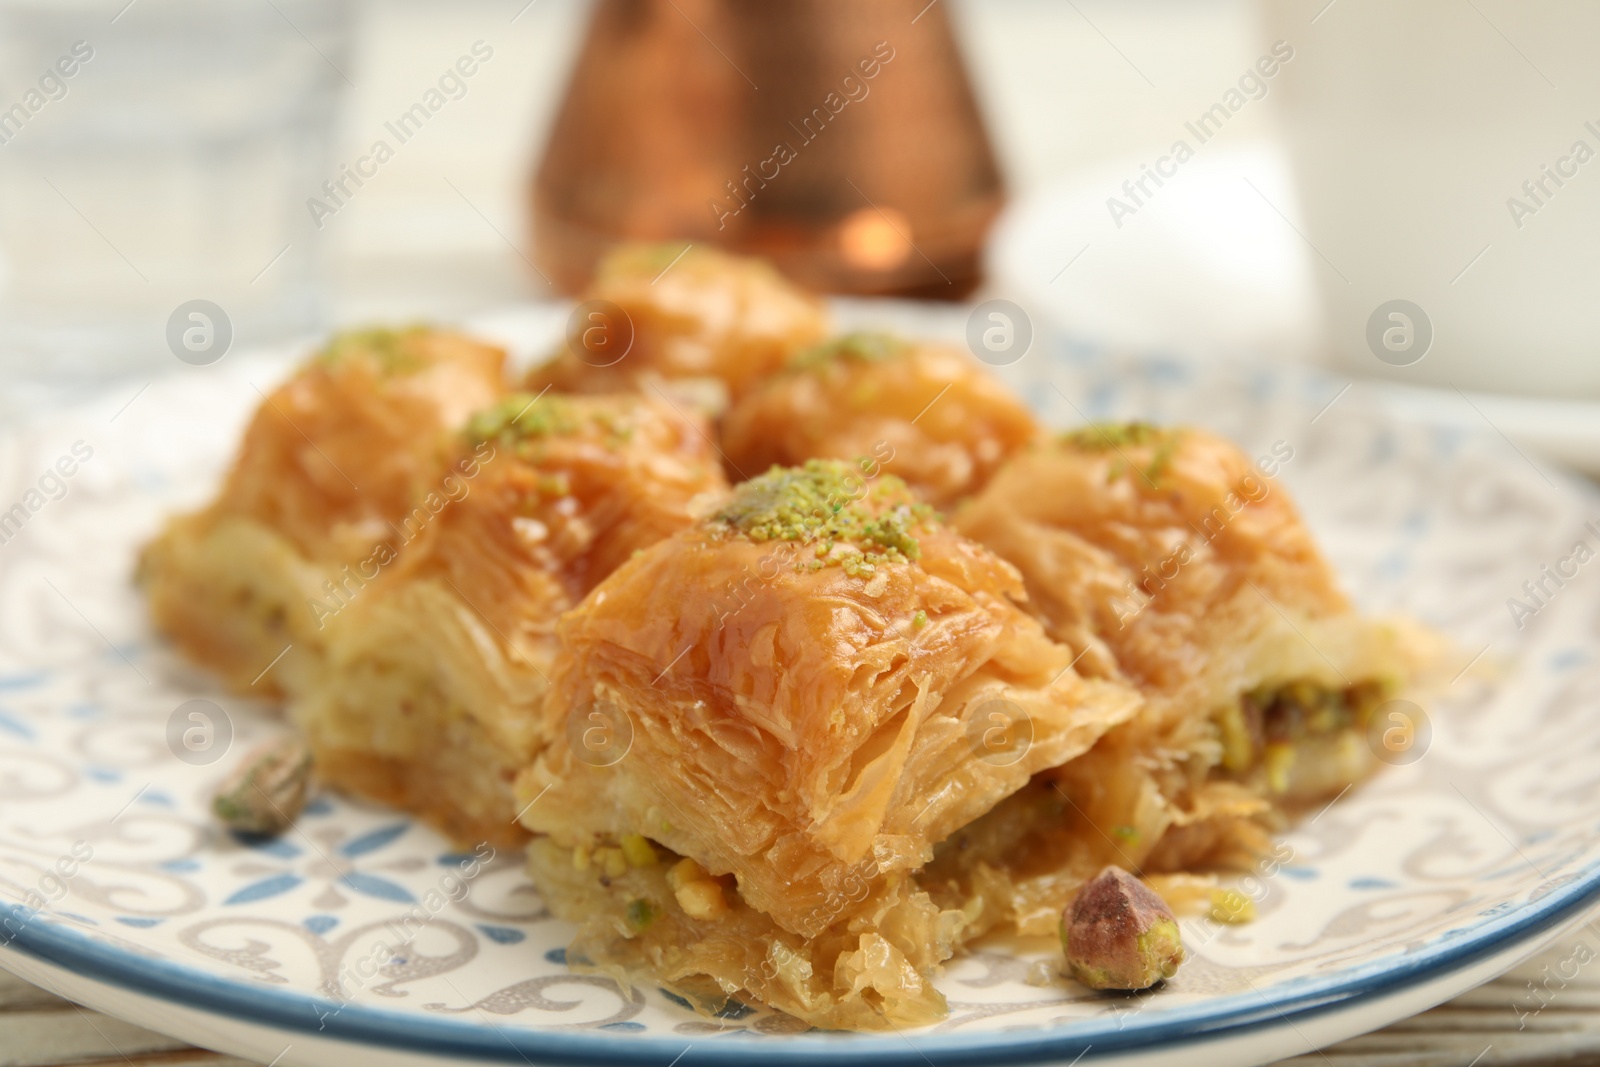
column 1278, row 729
column 698, row 894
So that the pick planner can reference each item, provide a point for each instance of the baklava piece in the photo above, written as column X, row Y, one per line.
column 1165, row 558
column 331, row 462
column 765, row 723
column 927, row 413
column 437, row 661
column 701, row 319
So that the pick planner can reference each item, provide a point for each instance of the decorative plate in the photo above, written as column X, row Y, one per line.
column 116, row 891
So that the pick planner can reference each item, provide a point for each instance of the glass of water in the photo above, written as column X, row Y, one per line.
column 155, row 159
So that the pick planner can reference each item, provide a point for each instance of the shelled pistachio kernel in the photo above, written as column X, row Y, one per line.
column 1278, row 761
column 638, row 850
column 698, row 894
column 685, row 870
column 611, row 861
column 1232, row 906
column 641, row 914
column 1118, row 934
column 268, row 790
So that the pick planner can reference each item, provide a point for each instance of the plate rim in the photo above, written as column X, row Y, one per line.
column 54, row 942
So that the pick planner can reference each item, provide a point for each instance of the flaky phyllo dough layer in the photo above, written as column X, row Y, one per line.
column 810, row 679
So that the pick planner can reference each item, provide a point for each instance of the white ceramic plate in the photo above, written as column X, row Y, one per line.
column 115, row 890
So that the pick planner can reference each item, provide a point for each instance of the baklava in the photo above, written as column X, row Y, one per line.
column 704, row 320
column 1167, row 559
column 771, row 718
column 333, row 464
column 436, row 668
column 927, row 413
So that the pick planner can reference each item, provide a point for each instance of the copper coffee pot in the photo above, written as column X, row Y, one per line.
column 838, row 138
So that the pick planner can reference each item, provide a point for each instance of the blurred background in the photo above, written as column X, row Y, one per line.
column 1397, row 193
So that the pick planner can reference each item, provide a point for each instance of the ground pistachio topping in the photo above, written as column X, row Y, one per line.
column 1100, row 436
column 1115, row 436
column 523, row 415
column 854, row 522
column 522, row 418
column 388, row 345
column 863, row 346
